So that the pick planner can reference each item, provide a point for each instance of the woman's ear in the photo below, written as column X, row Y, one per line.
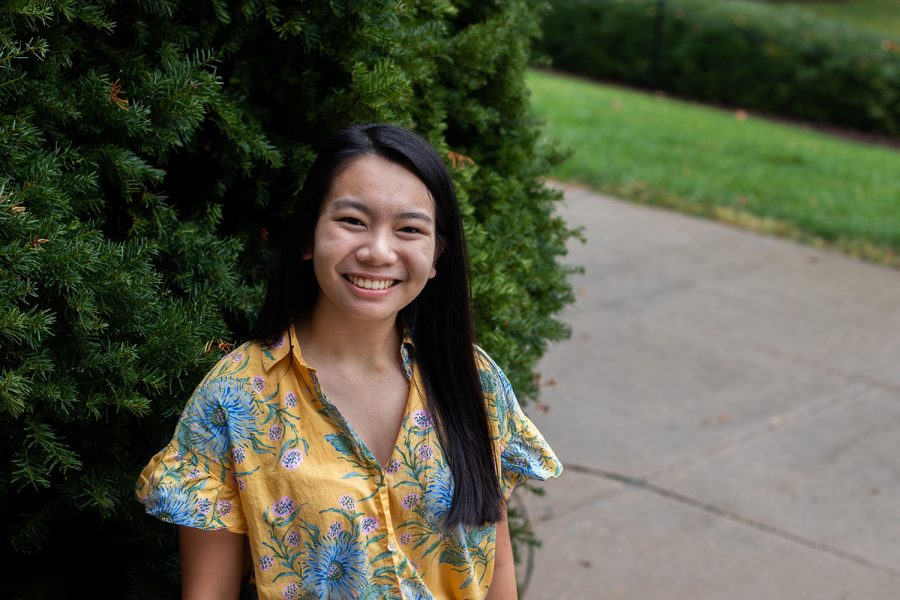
column 306, row 254
column 438, row 249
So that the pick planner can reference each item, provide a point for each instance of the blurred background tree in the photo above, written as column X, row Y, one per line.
column 779, row 60
column 149, row 153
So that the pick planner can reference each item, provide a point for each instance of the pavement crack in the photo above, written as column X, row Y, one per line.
column 718, row 511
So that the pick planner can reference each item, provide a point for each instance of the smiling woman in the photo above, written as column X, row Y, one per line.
column 374, row 246
column 378, row 461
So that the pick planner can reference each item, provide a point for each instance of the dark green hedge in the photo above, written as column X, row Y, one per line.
column 148, row 154
column 766, row 58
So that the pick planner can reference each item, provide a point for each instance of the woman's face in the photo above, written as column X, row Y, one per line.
column 374, row 246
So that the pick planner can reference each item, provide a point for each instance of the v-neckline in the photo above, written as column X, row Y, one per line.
column 358, row 439
column 344, row 423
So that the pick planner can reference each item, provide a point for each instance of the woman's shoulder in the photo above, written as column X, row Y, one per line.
column 493, row 379
column 482, row 359
column 246, row 360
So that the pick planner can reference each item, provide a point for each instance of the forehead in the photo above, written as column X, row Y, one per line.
column 380, row 184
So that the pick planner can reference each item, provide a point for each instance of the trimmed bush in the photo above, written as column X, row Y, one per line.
column 150, row 152
column 771, row 59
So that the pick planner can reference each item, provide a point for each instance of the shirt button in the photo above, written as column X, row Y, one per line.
column 391, row 546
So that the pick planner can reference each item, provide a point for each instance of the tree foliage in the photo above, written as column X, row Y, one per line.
column 149, row 152
column 778, row 60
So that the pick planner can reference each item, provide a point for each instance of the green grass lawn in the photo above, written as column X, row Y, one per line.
column 758, row 174
column 881, row 15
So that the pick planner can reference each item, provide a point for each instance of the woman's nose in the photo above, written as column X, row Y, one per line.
column 378, row 249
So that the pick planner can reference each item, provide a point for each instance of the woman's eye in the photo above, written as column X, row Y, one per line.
column 351, row 221
column 411, row 229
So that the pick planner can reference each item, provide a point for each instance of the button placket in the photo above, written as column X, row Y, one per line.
column 396, row 557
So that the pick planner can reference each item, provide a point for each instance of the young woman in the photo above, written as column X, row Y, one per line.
column 361, row 443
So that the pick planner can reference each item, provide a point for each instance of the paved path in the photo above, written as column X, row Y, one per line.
column 728, row 411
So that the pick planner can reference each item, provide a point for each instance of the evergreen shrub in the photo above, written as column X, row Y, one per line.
column 149, row 152
column 772, row 59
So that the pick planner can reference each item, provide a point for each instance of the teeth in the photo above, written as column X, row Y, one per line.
column 370, row 284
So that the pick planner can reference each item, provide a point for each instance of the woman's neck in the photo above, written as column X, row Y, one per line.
column 362, row 344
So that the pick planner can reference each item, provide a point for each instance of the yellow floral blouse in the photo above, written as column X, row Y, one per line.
column 260, row 451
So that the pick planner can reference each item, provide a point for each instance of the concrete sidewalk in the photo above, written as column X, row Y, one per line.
column 728, row 411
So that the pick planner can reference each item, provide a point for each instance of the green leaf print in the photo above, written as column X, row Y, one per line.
column 340, row 442
column 452, row 556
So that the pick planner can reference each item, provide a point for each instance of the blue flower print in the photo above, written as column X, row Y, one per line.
column 439, row 496
column 411, row 589
column 524, row 460
column 173, row 505
column 218, row 416
column 506, row 397
column 488, row 383
column 336, row 568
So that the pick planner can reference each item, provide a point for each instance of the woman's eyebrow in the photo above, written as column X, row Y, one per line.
column 351, row 203
column 416, row 215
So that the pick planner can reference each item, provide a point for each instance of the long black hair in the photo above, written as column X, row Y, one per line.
column 439, row 320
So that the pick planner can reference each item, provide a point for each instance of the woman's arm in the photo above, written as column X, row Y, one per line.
column 503, row 586
column 211, row 563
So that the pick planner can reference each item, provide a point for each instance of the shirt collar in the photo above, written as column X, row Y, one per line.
column 274, row 353
column 407, row 353
column 287, row 343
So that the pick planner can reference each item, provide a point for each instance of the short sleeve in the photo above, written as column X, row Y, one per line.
column 523, row 451
column 192, row 481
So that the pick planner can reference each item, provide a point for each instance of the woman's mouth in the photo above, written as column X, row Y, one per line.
column 370, row 284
